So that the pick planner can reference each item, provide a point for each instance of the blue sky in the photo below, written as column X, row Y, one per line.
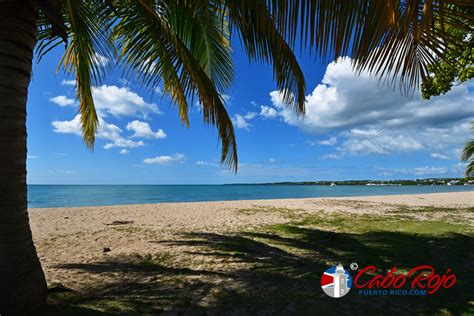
column 355, row 128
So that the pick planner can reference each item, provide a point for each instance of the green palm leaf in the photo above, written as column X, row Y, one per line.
column 88, row 30
column 151, row 47
column 263, row 42
column 394, row 39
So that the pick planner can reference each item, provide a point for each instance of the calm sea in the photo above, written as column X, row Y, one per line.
column 95, row 195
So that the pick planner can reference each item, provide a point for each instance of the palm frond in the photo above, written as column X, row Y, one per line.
column 205, row 32
column 394, row 39
column 263, row 42
column 469, row 169
column 88, row 31
column 150, row 47
column 468, row 151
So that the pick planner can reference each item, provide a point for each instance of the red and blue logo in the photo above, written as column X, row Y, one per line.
column 421, row 280
column 336, row 282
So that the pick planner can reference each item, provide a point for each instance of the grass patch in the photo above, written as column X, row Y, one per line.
column 290, row 213
column 276, row 269
column 364, row 223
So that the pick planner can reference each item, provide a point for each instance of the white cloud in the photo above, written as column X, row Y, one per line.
column 374, row 141
column 333, row 156
column 440, row 156
column 121, row 101
column 124, row 152
column 329, row 142
column 68, row 127
column 32, row 157
column 143, row 130
column 62, row 100
column 344, row 100
column 118, row 102
column 124, row 143
column 68, row 82
column 206, row 163
column 371, row 118
column 242, row 121
column 106, row 131
column 268, row 112
column 159, row 91
column 165, row 160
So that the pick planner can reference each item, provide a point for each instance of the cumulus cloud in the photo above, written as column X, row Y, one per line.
column 118, row 102
column 164, row 160
column 124, row 152
column 371, row 118
column 268, row 112
column 62, row 100
column 124, row 143
column 68, row 127
column 105, row 131
column 344, row 100
column 374, row 141
column 121, row 101
column 329, row 142
column 143, row 130
column 243, row 121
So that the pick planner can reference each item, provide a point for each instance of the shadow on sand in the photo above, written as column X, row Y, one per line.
column 277, row 273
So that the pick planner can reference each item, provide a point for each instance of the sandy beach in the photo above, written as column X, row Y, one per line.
column 72, row 240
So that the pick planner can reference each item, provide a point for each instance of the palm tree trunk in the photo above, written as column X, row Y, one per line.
column 22, row 282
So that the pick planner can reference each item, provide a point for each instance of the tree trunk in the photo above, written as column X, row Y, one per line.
column 22, row 283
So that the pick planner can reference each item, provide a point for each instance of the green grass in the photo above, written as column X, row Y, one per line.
column 276, row 269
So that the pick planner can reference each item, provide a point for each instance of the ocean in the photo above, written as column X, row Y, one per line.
column 98, row 195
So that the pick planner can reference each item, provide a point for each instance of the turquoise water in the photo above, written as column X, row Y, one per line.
column 95, row 195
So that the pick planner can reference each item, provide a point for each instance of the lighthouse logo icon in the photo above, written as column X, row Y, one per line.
column 336, row 282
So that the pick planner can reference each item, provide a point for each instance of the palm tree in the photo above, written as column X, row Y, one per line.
column 468, row 156
column 186, row 45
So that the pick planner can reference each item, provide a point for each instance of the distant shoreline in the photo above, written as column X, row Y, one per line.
column 398, row 182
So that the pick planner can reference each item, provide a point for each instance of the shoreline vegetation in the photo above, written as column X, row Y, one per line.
column 252, row 257
column 430, row 181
